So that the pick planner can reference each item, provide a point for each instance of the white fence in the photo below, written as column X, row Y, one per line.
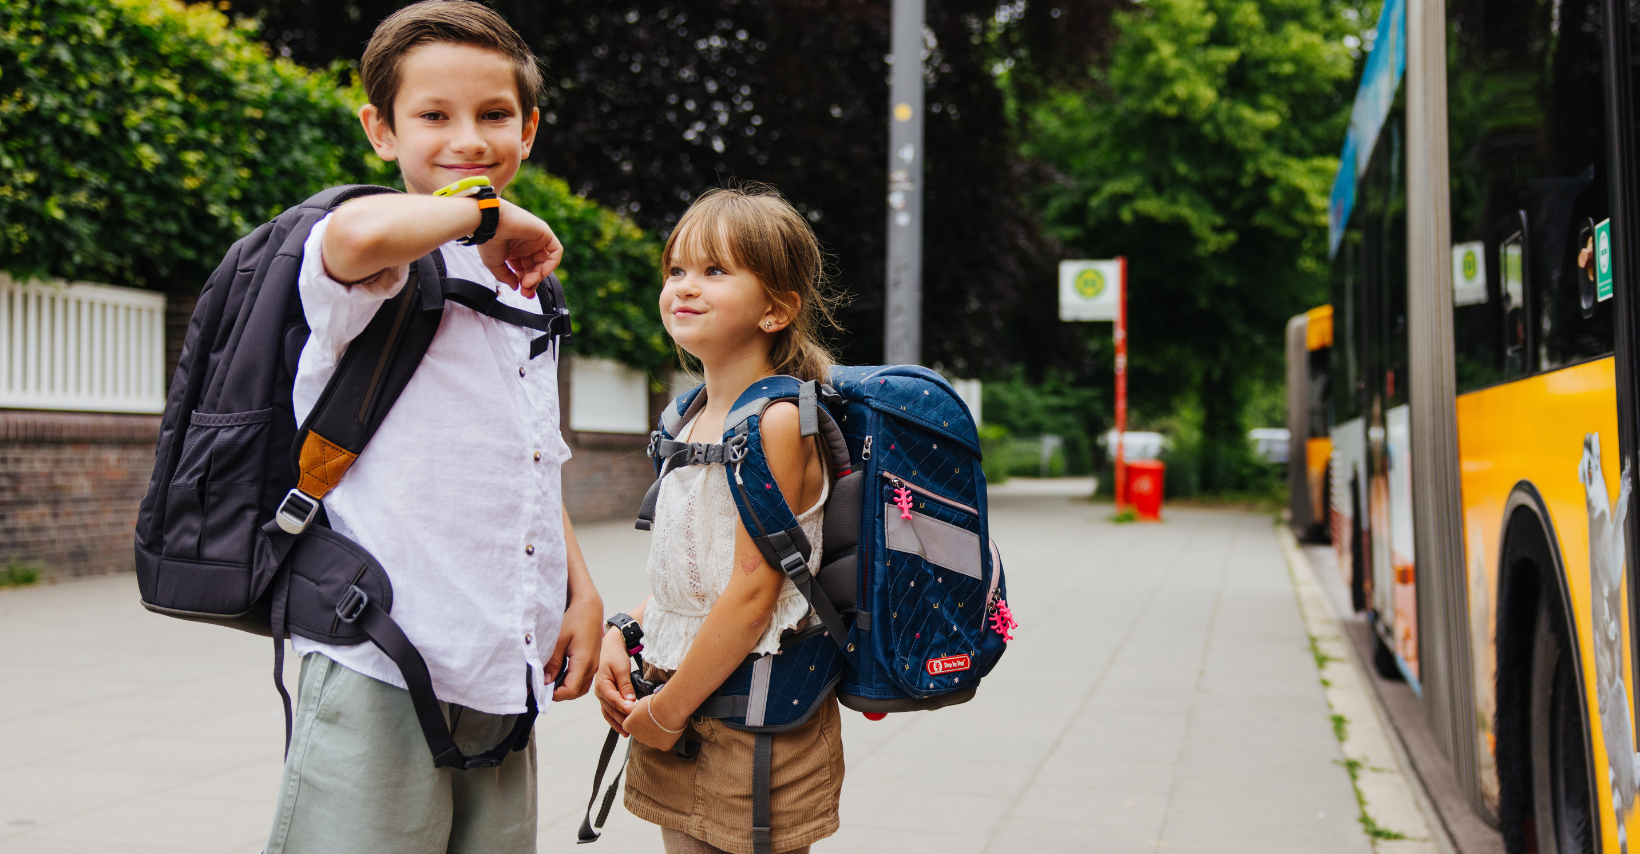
column 608, row 397
column 89, row 348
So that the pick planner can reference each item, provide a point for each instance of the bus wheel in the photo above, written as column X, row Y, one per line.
column 1383, row 660
column 1561, row 800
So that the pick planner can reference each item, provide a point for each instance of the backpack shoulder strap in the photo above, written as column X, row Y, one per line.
column 666, row 453
column 762, row 506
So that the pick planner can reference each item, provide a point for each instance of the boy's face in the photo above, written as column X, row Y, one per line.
column 456, row 115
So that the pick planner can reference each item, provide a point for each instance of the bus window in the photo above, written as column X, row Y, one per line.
column 1527, row 135
column 1348, row 382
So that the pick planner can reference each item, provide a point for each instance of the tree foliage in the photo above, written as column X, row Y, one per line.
column 138, row 139
column 1204, row 152
column 652, row 101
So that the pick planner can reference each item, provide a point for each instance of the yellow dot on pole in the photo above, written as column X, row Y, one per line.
column 902, row 112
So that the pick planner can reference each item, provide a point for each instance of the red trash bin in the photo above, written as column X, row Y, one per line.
column 1144, row 488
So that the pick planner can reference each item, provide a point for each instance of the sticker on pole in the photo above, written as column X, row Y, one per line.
column 1603, row 261
column 1089, row 290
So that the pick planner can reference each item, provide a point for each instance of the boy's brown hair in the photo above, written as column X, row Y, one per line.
column 754, row 228
column 462, row 22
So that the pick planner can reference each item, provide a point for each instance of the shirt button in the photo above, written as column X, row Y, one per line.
column 520, row 370
column 529, row 550
column 538, row 456
column 528, row 639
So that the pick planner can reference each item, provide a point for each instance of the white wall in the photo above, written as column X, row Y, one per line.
column 608, row 397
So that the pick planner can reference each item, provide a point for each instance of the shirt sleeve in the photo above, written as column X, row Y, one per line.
column 337, row 313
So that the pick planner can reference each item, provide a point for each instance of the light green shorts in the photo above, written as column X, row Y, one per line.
column 359, row 778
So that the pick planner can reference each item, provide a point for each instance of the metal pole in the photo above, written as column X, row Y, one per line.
column 902, row 315
column 1121, row 386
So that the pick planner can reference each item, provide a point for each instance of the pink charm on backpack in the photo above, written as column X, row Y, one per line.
column 902, row 500
column 1002, row 621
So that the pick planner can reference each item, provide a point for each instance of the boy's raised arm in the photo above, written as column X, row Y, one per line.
column 372, row 234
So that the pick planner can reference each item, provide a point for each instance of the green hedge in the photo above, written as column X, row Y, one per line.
column 610, row 270
column 140, row 138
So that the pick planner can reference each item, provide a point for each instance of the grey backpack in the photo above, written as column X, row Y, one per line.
column 232, row 530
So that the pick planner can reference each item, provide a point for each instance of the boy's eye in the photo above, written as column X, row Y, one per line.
column 497, row 115
column 432, row 116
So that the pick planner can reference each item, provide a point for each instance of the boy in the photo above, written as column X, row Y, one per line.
column 458, row 492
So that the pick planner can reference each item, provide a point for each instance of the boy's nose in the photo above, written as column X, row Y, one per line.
column 468, row 140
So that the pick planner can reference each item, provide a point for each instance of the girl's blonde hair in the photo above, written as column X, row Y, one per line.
column 752, row 227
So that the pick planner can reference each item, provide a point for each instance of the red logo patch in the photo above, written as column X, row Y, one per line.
column 948, row 664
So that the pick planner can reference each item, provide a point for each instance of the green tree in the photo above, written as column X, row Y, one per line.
column 139, row 138
column 1204, row 152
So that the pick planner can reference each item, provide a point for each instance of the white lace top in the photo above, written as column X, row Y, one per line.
column 692, row 559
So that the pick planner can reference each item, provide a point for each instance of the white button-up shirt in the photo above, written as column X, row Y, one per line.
column 457, row 494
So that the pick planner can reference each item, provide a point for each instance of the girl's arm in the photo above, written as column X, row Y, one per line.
column 742, row 613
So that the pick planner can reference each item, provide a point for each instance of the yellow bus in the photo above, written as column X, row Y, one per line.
column 1477, row 392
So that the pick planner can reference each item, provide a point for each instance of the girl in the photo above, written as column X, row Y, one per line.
column 743, row 294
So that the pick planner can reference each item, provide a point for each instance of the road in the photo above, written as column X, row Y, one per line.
column 1160, row 695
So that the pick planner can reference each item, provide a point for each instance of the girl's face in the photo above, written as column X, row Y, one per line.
column 715, row 310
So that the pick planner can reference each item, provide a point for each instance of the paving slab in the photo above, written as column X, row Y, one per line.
column 1160, row 696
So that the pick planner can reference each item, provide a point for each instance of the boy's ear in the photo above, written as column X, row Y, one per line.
column 531, row 124
column 381, row 136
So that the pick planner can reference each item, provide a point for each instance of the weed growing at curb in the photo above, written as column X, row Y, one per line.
column 19, row 574
column 1127, row 514
column 1341, row 727
column 1368, row 824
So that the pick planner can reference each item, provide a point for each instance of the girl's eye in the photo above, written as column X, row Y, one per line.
column 675, row 273
column 716, row 271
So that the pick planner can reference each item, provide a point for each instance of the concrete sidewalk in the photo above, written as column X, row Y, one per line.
column 1160, row 696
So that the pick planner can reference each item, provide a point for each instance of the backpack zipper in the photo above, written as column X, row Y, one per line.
column 930, row 495
column 865, row 454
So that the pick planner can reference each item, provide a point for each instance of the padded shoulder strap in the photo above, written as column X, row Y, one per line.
column 373, row 372
column 762, row 506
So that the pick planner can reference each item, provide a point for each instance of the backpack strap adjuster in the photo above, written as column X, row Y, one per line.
column 352, row 604
column 296, row 512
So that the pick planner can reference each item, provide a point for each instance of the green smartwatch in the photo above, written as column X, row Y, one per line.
column 489, row 207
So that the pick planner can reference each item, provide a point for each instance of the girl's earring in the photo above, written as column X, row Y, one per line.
column 768, row 324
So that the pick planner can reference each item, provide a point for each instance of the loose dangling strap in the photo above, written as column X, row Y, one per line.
column 589, row 831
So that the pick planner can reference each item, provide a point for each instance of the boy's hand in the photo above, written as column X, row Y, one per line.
column 524, row 250
column 613, row 684
column 579, row 638
column 644, row 728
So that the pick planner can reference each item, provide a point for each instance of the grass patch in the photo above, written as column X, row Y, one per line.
column 1125, row 515
column 19, row 574
column 1341, row 727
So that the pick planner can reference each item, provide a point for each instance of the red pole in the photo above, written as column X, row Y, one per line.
column 1121, row 385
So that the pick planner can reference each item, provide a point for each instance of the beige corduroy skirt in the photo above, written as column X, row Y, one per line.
column 710, row 797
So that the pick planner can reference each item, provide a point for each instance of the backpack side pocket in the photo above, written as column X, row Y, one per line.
column 215, row 496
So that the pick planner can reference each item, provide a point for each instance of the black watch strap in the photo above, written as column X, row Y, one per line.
column 489, row 216
column 631, row 632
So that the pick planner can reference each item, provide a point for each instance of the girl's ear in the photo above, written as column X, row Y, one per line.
column 778, row 317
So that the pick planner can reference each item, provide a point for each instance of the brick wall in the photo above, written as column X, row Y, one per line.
column 70, row 484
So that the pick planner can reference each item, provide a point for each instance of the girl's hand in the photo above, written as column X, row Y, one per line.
column 613, row 682
column 644, row 728
column 524, row 250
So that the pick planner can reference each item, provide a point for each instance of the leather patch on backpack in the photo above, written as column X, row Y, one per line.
column 948, row 664
column 323, row 463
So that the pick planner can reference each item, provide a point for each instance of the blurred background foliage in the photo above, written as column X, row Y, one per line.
column 1197, row 137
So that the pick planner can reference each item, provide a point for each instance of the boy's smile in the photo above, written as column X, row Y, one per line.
column 456, row 115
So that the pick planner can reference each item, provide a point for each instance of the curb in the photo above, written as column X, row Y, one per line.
column 1393, row 800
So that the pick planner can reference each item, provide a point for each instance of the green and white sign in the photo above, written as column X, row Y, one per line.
column 1088, row 290
column 1603, row 260
column 1469, row 273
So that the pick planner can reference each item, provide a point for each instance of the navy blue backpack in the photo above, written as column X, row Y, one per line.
column 909, row 598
